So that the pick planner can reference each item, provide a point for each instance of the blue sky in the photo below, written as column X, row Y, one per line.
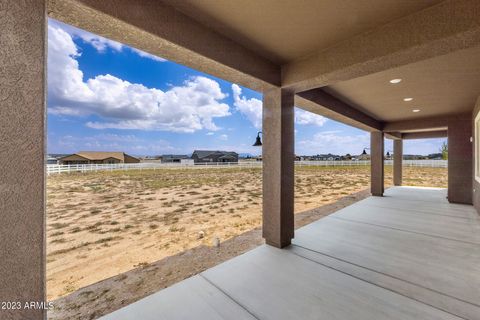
column 105, row 96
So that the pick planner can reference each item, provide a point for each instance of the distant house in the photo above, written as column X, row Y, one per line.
column 201, row 156
column 98, row 157
column 151, row 159
column 174, row 158
column 435, row 156
column 52, row 160
column 414, row 157
column 325, row 157
column 363, row 157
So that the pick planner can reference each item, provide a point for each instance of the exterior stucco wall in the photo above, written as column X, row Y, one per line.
column 397, row 162
column 278, row 167
column 377, row 171
column 460, row 159
column 475, row 183
column 22, row 178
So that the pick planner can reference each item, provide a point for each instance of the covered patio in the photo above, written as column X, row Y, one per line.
column 397, row 69
column 407, row 255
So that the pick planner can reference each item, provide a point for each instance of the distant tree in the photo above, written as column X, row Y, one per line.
column 444, row 150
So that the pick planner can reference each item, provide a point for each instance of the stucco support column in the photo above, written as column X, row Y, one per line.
column 460, row 159
column 397, row 162
column 278, row 166
column 376, row 155
column 22, row 131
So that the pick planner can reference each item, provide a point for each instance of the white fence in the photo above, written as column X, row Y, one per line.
column 54, row 168
column 422, row 163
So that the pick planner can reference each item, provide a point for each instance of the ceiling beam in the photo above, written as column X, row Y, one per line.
column 320, row 102
column 161, row 30
column 422, row 124
column 393, row 135
column 447, row 27
column 425, row 135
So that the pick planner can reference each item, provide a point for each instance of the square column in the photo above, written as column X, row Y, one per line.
column 460, row 164
column 376, row 162
column 22, row 154
column 397, row 162
column 278, row 166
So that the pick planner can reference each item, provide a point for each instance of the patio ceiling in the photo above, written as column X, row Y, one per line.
column 443, row 85
column 285, row 30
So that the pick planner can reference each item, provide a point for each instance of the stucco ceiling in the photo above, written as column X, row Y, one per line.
column 285, row 30
column 443, row 85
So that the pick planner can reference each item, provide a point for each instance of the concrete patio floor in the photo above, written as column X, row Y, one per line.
column 407, row 255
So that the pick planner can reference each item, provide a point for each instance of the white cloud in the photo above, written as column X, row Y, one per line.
column 147, row 55
column 303, row 117
column 99, row 43
column 186, row 108
column 210, row 133
column 331, row 142
column 110, row 142
column 251, row 108
column 223, row 137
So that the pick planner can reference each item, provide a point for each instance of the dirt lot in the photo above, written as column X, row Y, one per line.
column 100, row 225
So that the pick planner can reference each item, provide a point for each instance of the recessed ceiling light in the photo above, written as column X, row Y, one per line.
column 407, row 99
column 395, row 81
column 416, row 110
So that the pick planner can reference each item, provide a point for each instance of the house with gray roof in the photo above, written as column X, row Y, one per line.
column 202, row 156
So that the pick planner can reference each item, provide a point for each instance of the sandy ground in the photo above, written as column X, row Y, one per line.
column 162, row 225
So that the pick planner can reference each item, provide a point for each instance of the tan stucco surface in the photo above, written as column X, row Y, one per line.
column 460, row 159
column 22, row 179
column 447, row 27
column 278, row 167
column 377, row 171
column 397, row 162
column 429, row 83
column 307, row 25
